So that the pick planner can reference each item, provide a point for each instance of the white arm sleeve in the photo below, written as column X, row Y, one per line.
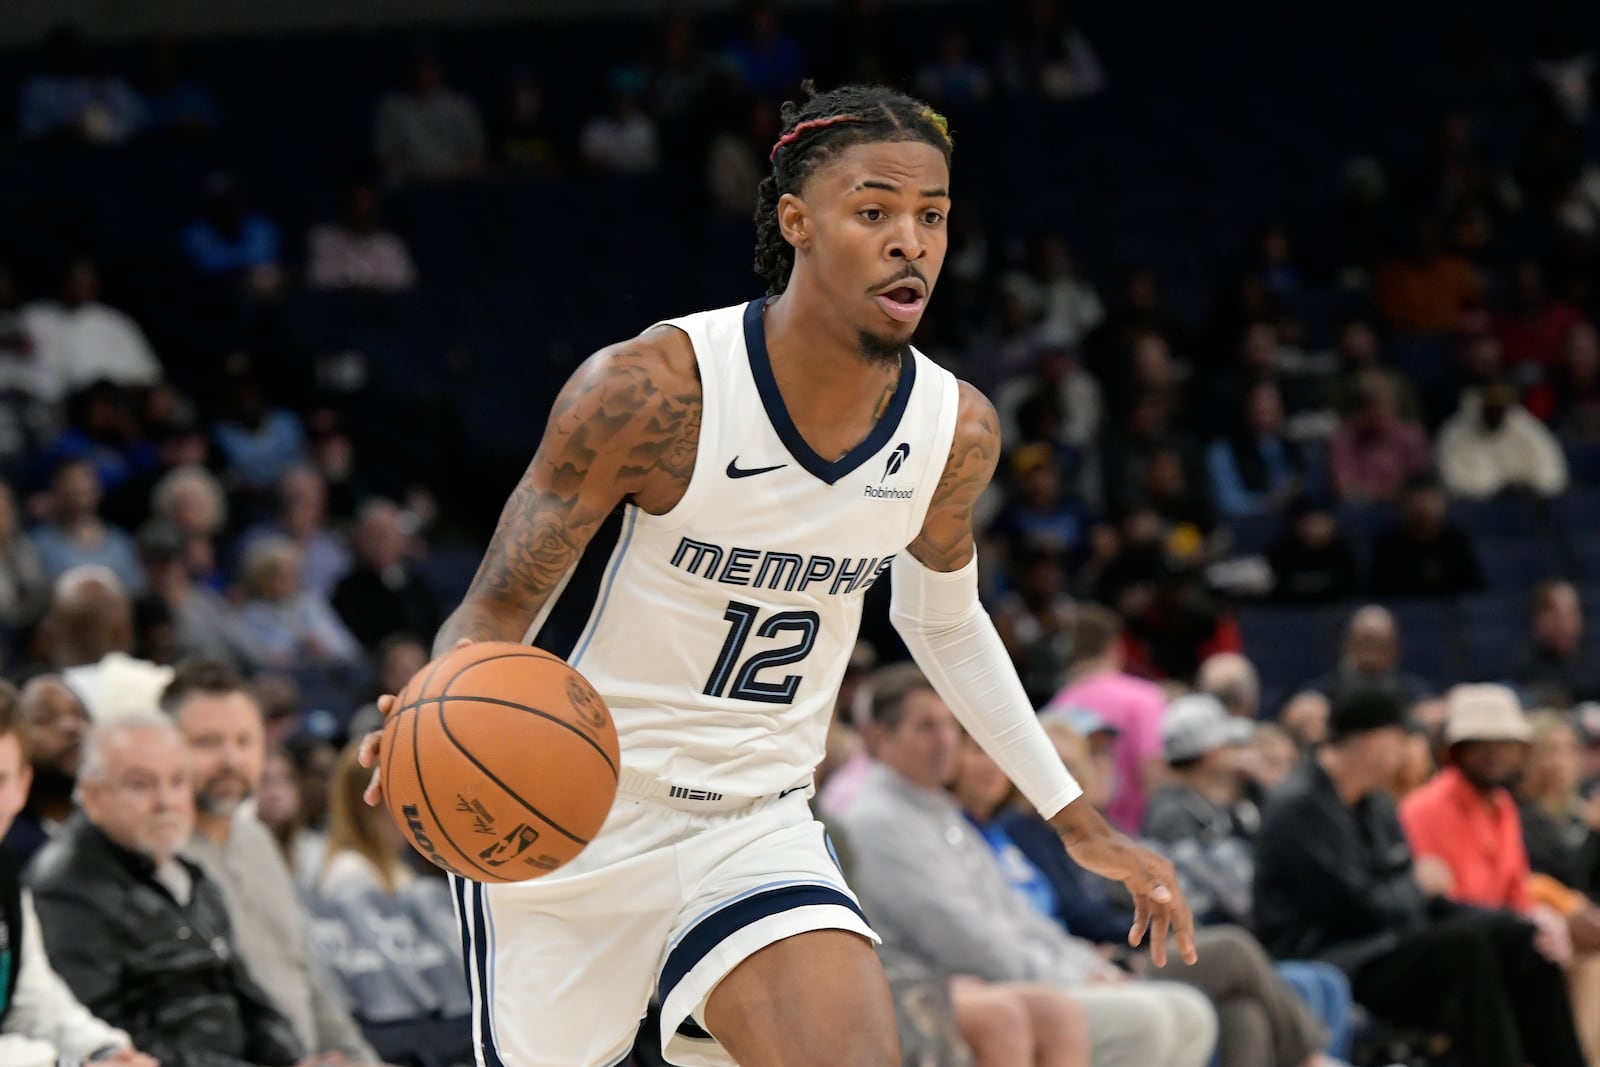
column 953, row 640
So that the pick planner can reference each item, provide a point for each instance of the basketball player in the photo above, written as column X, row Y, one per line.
column 695, row 534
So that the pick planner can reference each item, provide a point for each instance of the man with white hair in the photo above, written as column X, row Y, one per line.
column 140, row 935
column 90, row 625
column 1233, row 680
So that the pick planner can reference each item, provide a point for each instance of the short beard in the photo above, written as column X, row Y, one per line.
column 879, row 352
column 51, row 783
column 209, row 804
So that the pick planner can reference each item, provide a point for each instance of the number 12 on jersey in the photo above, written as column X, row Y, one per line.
column 745, row 685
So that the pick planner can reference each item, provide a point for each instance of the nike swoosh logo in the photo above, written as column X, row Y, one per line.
column 735, row 471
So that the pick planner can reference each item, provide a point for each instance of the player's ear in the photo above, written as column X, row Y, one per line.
column 794, row 220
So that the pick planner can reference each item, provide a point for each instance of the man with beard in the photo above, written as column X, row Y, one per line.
column 222, row 724
column 1467, row 818
column 56, row 722
column 140, row 935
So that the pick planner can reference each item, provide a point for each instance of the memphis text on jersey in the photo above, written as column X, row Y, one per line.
column 788, row 571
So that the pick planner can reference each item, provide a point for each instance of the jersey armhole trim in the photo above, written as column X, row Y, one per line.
column 943, row 437
column 705, row 442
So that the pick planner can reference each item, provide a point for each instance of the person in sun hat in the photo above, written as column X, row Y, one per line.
column 1467, row 818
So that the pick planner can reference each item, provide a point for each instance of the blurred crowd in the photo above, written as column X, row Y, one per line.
column 1297, row 572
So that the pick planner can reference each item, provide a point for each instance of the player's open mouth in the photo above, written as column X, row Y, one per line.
column 904, row 303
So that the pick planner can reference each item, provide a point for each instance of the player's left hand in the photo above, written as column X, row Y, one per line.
column 1159, row 908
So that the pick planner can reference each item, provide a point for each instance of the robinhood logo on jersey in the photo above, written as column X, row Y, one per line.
column 897, row 460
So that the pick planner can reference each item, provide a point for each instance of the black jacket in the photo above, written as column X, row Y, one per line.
column 1335, row 883
column 163, row 971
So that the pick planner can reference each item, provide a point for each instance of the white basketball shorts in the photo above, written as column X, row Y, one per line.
column 670, row 897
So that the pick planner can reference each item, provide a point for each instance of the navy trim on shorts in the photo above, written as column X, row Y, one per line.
column 717, row 927
column 475, row 954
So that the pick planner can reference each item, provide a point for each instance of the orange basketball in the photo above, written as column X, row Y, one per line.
column 499, row 762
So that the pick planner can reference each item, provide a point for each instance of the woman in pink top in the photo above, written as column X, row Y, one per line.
column 1131, row 706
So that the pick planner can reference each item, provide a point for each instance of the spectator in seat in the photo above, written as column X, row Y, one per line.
column 75, row 535
column 1048, row 55
column 1466, row 818
column 1040, row 516
column 1305, row 716
column 302, row 516
column 622, row 139
column 90, row 630
column 1560, row 825
column 1274, row 754
column 121, row 911
column 1260, row 1019
column 1371, row 659
column 55, row 723
column 1577, row 387
column 1234, row 681
column 233, row 243
column 1533, row 330
column 260, row 443
column 1132, row 706
column 1428, row 291
column 176, row 104
column 383, row 594
column 24, row 590
column 1034, row 622
column 1424, row 554
column 203, row 623
column 77, row 99
column 1558, row 669
column 359, row 253
column 932, row 884
column 1336, row 881
column 1257, row 469
column 221, row 723
column 954, row 78
column 284, row 624
column 1374, row 451
column 1179, row 627
column 766, row 60
column 278, row 808
column 81, row 341
column 40, row 1019
column 191, row 501
column 1312, row 562
column 430, row 132
column 406, row 989
column 1492, row 444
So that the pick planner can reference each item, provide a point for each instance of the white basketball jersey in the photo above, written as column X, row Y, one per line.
column 719, row 632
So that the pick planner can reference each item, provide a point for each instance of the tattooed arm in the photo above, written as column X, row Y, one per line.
column 947, row 541
column 936, row 609
column 624, row 427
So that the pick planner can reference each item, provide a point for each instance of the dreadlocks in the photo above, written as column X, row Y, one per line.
column 818, row 128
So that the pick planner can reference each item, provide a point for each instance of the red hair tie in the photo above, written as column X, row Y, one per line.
column 806, row 127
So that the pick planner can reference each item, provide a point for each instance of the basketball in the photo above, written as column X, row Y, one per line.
column 499, row 762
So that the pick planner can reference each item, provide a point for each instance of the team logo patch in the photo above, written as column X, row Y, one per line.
column 897, row 459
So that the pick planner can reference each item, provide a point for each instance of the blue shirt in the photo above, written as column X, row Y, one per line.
column 1019, row 871
column 257, row 244
column 59, row 554
column 262, row 456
